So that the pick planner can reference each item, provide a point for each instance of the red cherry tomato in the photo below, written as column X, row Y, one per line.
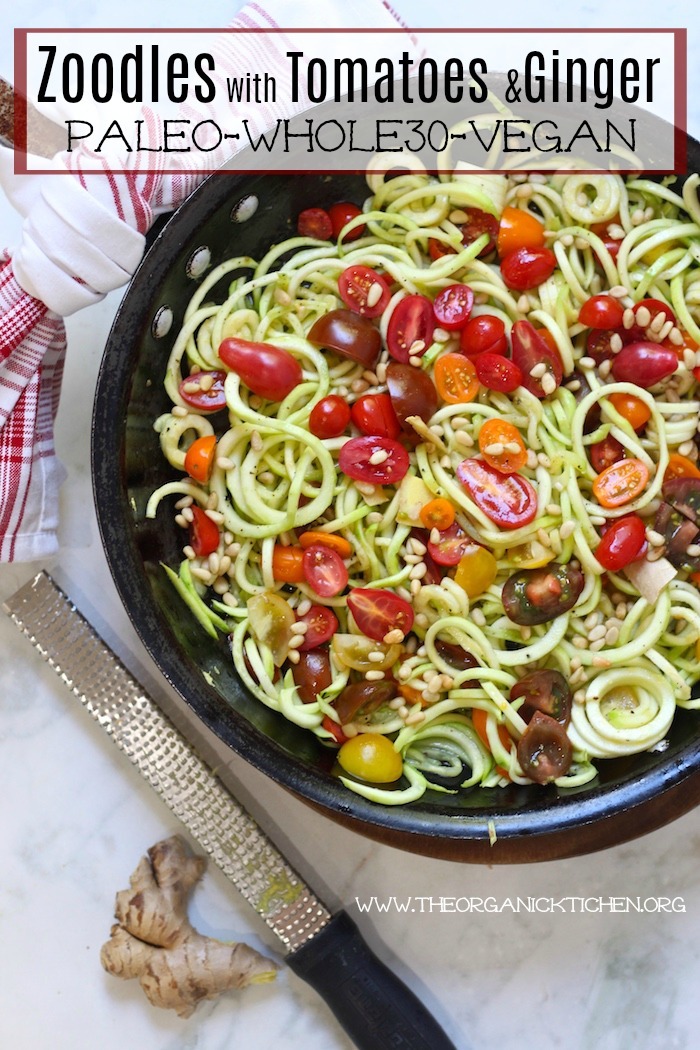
column 335, row 730
column 340, row 214
column 644, row 364
column 606, row 452
column 376, row 612
column 509, row 500
column 623, row 542
column 349, row 334
column 324, row 570
column 204, row 533
column 315, row 222
column 601, row 311
column 329, row 417
column 598, row 343
column 496, row 372
column 485, row 333
column 451, row 546
column 602, row 230
column 355, row 455
column 655, row 307
column 527, row 267
column 411, row 327
column 374, row 414
column 322, row 624
column 519, row 229
column 211, row 399
column 452, row 306
column 530, row 349
column 357, row 285
column 477, row 223
column 269, row 371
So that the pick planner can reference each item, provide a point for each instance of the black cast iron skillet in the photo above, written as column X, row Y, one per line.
column 630, row 797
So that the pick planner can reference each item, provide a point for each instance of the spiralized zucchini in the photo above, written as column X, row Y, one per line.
column 629, row 661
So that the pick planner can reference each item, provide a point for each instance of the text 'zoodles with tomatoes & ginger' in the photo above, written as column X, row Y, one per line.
column 438, row 474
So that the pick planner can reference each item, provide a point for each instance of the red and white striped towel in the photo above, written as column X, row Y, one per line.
column 83, row 236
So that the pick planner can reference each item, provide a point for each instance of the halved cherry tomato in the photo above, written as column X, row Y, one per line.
column 437, row 514
column 606, row 452
column 518, row 229
column 502, row 446
column 315, row 222
column 602, row 230
column 452, row 306
column 207, row 398
column 545, row 690
column 633, row 409
column 358, row 700
column 507, row 499
column 529, row 350
column 324, row 571
column 623, row 542
column 476, row 570
column 329, row 417
column 200, row 456
column 535, row 596
column 287, row 564
column 322, row 624
column 478, row 223
column 341, row 213
column 598, row 343
column 204, row 533
column 410, row 329
column 364, row 290
column 356, row 454
column 452, row 544
column 377, row 612
column 544, row 750
column 527, row 267
column 680, row 467
column 621, row 483
column 349, row 334
column 601, row 311
column 484, row 333
column 654, row 308
column 328, row 539
column 644, row 363
column 455, row 378
column 269, row 371
column 312, row 673
column 496, row 372
column 374, row 414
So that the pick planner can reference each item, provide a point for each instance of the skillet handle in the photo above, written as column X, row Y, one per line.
column 374, row 1007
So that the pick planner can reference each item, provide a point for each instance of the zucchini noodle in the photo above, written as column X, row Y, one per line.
column 446, row 696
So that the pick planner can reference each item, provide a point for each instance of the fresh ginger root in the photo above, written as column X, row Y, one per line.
column 154, row 941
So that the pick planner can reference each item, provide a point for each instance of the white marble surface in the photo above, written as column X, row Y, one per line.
column 75, row 817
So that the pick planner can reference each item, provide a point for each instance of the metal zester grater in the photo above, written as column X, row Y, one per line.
column 376, row 1009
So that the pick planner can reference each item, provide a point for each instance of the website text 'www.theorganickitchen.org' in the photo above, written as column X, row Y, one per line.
column 541, row 905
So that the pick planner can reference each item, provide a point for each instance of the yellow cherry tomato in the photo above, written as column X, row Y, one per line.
column 476, row 570
column 371, row 757
column 531, row 555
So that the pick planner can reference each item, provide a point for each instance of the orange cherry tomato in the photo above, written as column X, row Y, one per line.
column 437, row 514
column 287, row 564
column 479, row 720
column 502, row 446
column 327, row 539
column 199, row 459
column 456, row 379
column 621, row 482
column 680, row 467
column 518, row 229
column 633, row 409
column 414, row 696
